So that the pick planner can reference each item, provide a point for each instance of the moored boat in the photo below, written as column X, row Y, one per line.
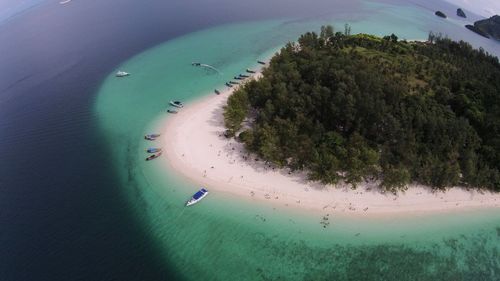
column 151, row 137
column 176, row 103
column 122, row 74
column 261, row 62
column 200, row 194
column 250, row 71
column 217, row 92
column 234, row 82
column 153, row 150
column 244, row 75
column 153, row 156
column 229, row 85
column 238, row 78
column 172, row 111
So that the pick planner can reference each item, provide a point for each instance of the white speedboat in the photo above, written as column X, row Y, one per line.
column 200, row 194
column 176, row 103
column 122, row 74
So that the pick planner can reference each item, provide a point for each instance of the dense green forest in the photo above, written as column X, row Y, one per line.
column 359, row 107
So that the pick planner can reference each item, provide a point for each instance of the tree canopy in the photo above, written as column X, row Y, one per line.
column 359, row 107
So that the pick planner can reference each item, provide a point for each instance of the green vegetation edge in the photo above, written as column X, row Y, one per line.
column 359, row 107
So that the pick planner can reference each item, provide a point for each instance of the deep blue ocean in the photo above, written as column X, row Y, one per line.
column 62, row 216
column 62, row 213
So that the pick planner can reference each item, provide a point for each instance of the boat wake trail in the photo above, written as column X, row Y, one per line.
column 207, row 66
column 211, row 67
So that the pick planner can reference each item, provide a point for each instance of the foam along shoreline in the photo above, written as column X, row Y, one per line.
column 197, row 149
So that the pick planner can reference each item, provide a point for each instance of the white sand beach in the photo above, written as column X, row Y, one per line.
column 197, row 149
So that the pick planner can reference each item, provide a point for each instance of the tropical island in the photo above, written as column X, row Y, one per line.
column 352, row 124
column 353, row 108
column 489, row 28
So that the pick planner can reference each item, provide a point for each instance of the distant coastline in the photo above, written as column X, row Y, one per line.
column 489, row 28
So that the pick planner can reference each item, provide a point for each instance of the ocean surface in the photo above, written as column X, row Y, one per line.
column 78, row 201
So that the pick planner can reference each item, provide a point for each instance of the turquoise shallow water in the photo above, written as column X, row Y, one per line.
column 225, row 238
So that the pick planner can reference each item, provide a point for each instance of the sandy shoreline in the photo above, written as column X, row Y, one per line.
column 196, row 149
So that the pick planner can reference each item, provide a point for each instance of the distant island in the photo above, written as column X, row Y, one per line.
column 358, row 107
column 489, row 28
column 440, row 14
column 461, row 13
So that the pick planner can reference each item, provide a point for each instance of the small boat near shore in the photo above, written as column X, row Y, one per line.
column 234, row 82
column 244, row 76
column 122, row 74
column 200, row 194
column 250, row 71
column 172, row 111
column 153, row 150
column 153, row 156
column 217, row 92
column 261, row 62
column 229, row 85
column 151, row 137
column 176, row 103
